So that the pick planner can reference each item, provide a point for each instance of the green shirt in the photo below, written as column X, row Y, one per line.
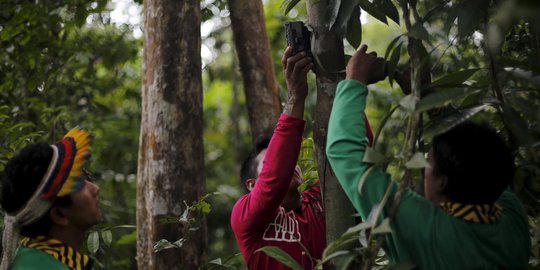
column 31, row 258
column 50, row 254
column 422, row 232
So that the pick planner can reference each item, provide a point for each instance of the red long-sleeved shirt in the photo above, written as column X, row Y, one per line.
column 258, row 219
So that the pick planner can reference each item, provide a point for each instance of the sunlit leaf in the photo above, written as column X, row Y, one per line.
column 455, row 78
column 442, row 125
column 92, row 243
column 417, row 161
column 288, row 5
column 280, row 256
column 443, row 97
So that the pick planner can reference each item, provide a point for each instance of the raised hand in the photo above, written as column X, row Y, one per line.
column 366, row 68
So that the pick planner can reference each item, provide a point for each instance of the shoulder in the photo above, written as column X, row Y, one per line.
column 34, row 259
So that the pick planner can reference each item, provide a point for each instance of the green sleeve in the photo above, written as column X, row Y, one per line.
column 346, row 145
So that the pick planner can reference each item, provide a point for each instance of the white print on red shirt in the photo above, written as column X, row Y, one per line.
column 284, row 228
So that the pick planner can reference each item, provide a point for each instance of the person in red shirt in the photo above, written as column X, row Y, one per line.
column 274, row 213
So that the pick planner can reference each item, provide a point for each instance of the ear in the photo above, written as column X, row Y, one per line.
column 250, row 183
column 58, row 217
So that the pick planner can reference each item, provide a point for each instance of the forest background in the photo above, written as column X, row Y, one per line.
column 73, row 62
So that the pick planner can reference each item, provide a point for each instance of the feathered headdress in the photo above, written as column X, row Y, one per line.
column 64, row 176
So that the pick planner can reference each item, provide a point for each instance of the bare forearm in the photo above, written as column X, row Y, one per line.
column 294, row 107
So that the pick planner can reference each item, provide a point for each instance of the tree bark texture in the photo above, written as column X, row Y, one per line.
column 171, row 156
column 328, row 50
column 255, row 57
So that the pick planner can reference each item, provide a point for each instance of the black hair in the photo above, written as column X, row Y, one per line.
column 477, row 162
column 22, row 176
column 249, row 166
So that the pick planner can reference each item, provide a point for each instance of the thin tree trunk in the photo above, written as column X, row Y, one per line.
column 255, row 57
column 171, row 157
column 328, row 49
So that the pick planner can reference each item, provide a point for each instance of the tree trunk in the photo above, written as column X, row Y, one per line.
column 171, row 157
column 253, row 50
column 328, row 49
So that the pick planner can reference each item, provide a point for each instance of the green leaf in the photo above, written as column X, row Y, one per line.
column 383, row 228
column 334, row 255
column 517, row 125
column 350, row 235
column 354, row 29
column 471, row 14
column 373, row 10
column 306, row 185
column 372, row 156
column 388, row 8
column 106, row 236
column 408, row 103
column 332, row 12
column 288, row 5
column 128, row 239
column 417, row 161
column 391, row 65
column 363, row 178
column 281, row 256
column 442, row 98
column 163, row 244
column 456, row 78
column 418, row 31
column 382, row 124
column 80, row 15
column 391, row 46
column 92, row 243
column 442, row 125
column 216, row 261
column 525, row 75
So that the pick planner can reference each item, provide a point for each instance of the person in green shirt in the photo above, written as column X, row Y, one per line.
column 468, row 218
column 50, row 199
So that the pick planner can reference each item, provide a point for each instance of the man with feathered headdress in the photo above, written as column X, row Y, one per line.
column 49, row 199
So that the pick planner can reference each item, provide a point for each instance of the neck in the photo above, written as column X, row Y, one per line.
column 70, row 236
column 292, row 202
